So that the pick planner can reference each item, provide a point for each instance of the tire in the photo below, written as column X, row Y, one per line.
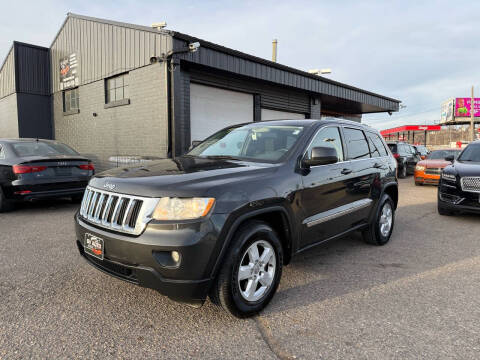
column 403, row 172
column 442, row 211
column 5, row 205
column 376, row 234
column 230, row 292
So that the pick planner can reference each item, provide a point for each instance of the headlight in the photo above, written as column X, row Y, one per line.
column 182, row 209
column 419, row 168
column 449, row 177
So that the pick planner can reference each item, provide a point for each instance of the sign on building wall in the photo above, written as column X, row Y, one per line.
column 463, row 107
column 69, row 72
column 448, row 109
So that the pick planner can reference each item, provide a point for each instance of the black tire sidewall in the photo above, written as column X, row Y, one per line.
column 403, row 173
column 246, row 238
column 380, row 239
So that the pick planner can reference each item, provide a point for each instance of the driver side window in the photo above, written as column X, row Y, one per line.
column 327, row 137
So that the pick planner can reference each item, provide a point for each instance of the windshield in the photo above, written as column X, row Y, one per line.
column 442, row 154
column 37, row 148
column 259, row 143
column 471, row 153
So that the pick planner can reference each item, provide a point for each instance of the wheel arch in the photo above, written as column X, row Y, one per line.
column 270, row 215
column 391, row 189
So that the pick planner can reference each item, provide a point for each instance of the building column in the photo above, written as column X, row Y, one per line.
column 257, row 107
column 180, row 108
column 315, row 108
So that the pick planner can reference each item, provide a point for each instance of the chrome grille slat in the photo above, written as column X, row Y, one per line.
column 470, row 184
column 117, row 212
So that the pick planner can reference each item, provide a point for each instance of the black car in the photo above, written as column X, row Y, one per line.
column 459, row 189
column 422, row 151
column 225, row 218
column 407, row 157
column 33, row 169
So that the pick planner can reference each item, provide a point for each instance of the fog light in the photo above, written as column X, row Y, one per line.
column 175, row 256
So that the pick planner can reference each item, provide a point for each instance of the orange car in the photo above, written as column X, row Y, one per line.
column 428, row 171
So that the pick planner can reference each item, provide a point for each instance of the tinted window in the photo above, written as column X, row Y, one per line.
column 376, row 145
column 442, row 154
column 37, row 148
column 328, row 137
column 471, row 153
column 250, row 142
column 393, row 147
column 357, row 145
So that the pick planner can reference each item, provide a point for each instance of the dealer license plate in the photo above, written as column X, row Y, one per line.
column 93, row 245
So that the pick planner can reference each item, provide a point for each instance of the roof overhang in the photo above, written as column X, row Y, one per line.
column 333, row 94
column 411, row 128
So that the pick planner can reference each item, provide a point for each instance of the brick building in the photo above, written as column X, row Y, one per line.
column 108, row 88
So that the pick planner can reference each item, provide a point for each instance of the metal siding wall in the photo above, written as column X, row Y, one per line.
column 104, row 50
column 7, row 75
column 33, row 69
column 219, row 60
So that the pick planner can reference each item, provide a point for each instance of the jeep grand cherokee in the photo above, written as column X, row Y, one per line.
column 225, row 218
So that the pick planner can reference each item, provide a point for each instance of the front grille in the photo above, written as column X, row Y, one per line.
column 470, row 184
column 433, row 171
column 118, row 212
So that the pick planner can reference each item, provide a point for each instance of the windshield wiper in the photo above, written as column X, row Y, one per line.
column 221, row 157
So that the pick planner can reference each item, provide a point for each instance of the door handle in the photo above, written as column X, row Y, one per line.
column 346, row 171
column 378, row 166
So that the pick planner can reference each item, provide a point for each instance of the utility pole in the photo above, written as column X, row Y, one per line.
column 472, row 117
column 274, row 50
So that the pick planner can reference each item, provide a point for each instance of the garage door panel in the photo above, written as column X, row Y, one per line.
column 212, row 109
column 268, row 114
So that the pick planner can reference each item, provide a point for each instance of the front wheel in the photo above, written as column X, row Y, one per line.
column 381, row 228
column 251, row 272
column 442, row 211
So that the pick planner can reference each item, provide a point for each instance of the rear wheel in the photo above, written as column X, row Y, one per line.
column 5, row 205
column 251, row 272
column 381, row 228
column 403, row 171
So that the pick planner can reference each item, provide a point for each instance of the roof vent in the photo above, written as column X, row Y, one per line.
column 160, row 25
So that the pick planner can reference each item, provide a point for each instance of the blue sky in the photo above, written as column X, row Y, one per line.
column 420, row 52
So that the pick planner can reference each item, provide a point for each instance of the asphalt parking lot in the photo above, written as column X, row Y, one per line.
column 417, row 297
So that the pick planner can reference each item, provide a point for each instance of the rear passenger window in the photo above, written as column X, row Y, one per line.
column 377, row 149
column 357, row 145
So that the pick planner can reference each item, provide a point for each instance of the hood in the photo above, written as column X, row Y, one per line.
column 434, row 163
column 465, row 168
column 182, row 176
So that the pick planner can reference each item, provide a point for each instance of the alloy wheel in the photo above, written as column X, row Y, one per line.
column 257, row 270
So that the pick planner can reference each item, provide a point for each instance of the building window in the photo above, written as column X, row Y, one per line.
column 116, row 89
column 71, row 101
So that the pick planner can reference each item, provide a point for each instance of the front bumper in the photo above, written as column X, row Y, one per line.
column 451, row 197
column 422, row 178
column 143, row 260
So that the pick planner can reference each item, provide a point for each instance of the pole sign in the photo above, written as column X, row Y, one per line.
column 69, row 72
column 448, row 109
column 463, row 107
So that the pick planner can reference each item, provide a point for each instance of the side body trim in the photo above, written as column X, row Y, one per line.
column 337, row 212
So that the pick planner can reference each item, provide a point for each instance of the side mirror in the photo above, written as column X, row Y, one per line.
column 450, row 158
column 322, row 155
column 195, row 143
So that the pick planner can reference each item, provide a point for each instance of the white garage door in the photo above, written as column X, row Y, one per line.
column 212, row 109
column 280, row 115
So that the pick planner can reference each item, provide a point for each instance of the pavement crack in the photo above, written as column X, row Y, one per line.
column 270, row 340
